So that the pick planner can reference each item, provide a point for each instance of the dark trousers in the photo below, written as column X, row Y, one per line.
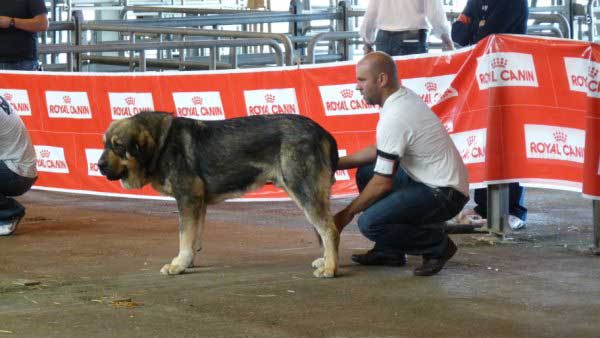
column 410, row 219
column 20, row 65
column 12, row 184
column 402, row 43
column 515, row 201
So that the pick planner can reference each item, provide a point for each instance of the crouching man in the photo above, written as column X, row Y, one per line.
column 17, row 167
column 411, row 181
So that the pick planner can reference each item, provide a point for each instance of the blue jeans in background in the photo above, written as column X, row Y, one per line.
column 12, row 184
column 20, row 65
column 411, row 218
column 516, row 197
column 402, row 43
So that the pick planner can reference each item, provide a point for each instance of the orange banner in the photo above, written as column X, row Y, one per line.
column 519, row 109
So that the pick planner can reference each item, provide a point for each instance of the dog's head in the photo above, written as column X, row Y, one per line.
column 132, row 147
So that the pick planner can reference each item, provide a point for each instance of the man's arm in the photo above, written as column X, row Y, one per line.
column 362, row 157
column 39, row 23
column 377, row 187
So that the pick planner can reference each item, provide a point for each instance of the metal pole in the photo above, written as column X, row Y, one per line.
column 596, row 213
column 497, row 208
column 77, row 38
column 142, row 60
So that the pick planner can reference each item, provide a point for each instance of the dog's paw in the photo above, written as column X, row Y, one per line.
column 170, row 269
column 318, row 263
column 324, row 273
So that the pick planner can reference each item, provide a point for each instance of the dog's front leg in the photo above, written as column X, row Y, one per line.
column 191, row 217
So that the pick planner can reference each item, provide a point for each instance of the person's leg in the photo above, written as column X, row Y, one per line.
column 515, row 201
column 480, row 198
column 12, row 184
column 20, row 65
column 383, row 42
column 410, row 218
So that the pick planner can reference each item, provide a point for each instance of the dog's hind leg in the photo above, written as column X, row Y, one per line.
column 310, row 187
column 191, row 214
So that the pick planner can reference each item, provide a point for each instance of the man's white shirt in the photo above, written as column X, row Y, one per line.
column 403, row 15
column 409, row 132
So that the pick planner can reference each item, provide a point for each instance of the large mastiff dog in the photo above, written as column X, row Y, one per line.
column 205, row 162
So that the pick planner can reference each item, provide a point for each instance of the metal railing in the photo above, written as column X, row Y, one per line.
column 142, row 47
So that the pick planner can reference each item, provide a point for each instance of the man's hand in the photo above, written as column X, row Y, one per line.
column 4, row 22
column 367, row 48
column 342, row 218
column 447, row 43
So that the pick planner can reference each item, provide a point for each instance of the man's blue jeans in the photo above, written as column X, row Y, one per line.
column 397, row 43
column 411, row 218
column 12, row 184
column 20, row 65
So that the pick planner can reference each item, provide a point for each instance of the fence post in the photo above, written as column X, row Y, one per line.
column 497, row 208
column 596, row 213
column 75, row 58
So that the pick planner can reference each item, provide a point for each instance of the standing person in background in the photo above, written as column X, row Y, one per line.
column 479, row 19
column 20, row 21
column 401, row 27
column 17, row 167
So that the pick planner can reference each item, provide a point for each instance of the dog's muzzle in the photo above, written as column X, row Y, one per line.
column 105, row 171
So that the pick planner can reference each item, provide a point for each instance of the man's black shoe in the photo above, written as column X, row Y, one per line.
column 433, row 265
column 373, row 257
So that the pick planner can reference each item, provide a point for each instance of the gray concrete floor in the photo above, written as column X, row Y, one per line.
column 94, row 267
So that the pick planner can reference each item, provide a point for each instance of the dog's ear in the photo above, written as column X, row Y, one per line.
column 142, row 147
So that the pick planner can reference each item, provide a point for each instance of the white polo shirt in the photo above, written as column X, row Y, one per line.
column 403, row 15
column 16, row 150
column 409, row 132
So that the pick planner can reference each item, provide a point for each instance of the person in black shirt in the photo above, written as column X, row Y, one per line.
column 20, row 20
column 479, row 19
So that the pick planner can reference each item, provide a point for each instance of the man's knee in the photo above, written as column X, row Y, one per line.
column 368, row 227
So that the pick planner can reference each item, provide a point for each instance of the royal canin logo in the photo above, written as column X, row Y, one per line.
column 499, row 63
column 431, row 86
column 470, row 140
column 45, row 153
column 559, row 136
column 130, row 100
column 593, row 72
column 270, row 98
column 197, row 100
column 347, row 93
column 67, row 99
column 7, row 96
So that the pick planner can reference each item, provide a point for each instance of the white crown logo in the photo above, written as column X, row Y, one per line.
column 197, row 100
column 269, row 98
column 130, row 100
column 499, row 63
column 471, row 140
column 430, row 86
column 559, row 136
column 347, row 93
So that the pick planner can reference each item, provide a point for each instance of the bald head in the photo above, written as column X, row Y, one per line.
column 376, row 77
column 382, row 63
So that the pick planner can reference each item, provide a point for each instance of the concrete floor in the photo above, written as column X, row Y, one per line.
column 94, row 263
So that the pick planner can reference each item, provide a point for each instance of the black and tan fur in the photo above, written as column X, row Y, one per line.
column 205, row 162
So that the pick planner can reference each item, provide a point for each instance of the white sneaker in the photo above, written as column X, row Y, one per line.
column 8, row 227
column 515, row 222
